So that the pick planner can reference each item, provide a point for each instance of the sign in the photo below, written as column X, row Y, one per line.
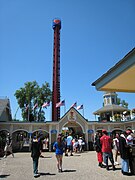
column 53, row 131
column 71, row 116
column 90, row 131
column 30, row 133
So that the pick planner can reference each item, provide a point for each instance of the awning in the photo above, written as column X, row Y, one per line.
column 120, row 78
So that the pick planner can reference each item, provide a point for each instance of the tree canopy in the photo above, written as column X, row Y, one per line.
column 122, row 102
column 30, row 99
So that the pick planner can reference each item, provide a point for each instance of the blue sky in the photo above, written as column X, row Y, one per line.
column 95, row 35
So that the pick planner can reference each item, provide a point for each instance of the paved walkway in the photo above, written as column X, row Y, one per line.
column 78, row 167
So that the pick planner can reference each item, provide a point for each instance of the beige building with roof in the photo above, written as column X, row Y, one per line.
column 111, row 111
column 113, row 81
column 120, row 78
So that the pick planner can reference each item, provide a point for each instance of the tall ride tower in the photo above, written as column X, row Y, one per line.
column 56, row 70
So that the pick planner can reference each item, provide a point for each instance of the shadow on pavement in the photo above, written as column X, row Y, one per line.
column 4, row 175
column 46, row 174
column 118, row 168
column 69, row 170
column 46, row 157
column 75, row 155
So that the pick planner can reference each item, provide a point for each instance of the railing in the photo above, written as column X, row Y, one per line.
column 118, row 119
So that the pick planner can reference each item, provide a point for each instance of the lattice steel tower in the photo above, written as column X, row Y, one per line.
column 56, row 70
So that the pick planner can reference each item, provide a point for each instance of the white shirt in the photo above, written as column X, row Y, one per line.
column 129, row 139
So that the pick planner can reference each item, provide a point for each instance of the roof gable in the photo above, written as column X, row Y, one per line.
column 5, row 111
column 75, row 113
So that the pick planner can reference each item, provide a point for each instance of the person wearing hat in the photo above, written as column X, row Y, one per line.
column 106, row 143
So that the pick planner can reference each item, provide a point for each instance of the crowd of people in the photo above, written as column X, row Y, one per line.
column 63, row 145
column 109, row 148
column 73, row 144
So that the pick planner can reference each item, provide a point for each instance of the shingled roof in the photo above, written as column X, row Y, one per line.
column 5, row 110
column 113, row 107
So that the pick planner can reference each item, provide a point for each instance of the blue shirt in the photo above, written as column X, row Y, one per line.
column 69, row 140
column 58, row 150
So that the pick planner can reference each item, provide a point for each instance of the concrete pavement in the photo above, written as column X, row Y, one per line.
column 78, row 167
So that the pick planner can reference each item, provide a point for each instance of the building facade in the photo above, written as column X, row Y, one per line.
column 112, row 81
column 72, row 121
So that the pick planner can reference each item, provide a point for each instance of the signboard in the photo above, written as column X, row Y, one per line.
column 71, row 116
column 53, row 131
column 30, row 133
column 90, row 131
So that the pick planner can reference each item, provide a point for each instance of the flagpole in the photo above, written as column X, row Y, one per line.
column 16, row 113
column 83, row 111
column 64, row 109
column 28, row 113
column 51, row 113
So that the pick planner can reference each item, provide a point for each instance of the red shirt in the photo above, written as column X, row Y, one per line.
column 106, row 143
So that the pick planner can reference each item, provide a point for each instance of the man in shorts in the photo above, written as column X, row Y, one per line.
column 69, row 145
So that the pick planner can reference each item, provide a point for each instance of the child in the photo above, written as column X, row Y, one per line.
column 59, row 147
column 35, row 153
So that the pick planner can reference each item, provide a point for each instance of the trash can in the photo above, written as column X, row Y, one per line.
column 132, row 159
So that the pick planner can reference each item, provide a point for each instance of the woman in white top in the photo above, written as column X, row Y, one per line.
column 116, row 148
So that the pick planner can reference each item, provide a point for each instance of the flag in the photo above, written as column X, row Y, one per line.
column 80, row 107
column 35, row 106
column 61, row 103
column 74, row 105
column 46, row 104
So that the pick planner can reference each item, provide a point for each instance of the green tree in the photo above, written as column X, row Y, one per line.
column 30, row 95
column 123, row 103
column 118, row 101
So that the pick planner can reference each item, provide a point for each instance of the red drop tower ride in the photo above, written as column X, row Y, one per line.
column 56, row 70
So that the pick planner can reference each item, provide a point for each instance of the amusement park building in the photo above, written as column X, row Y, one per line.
column 71, row 120
column 121, row 77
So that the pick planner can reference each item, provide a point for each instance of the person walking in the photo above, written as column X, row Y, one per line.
column 35, row 154
column 59, row 148
column 69, row 145
column 124, row 154
column 106, row 143
column 8, row 146
column 80, row 141
column 98, row 149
